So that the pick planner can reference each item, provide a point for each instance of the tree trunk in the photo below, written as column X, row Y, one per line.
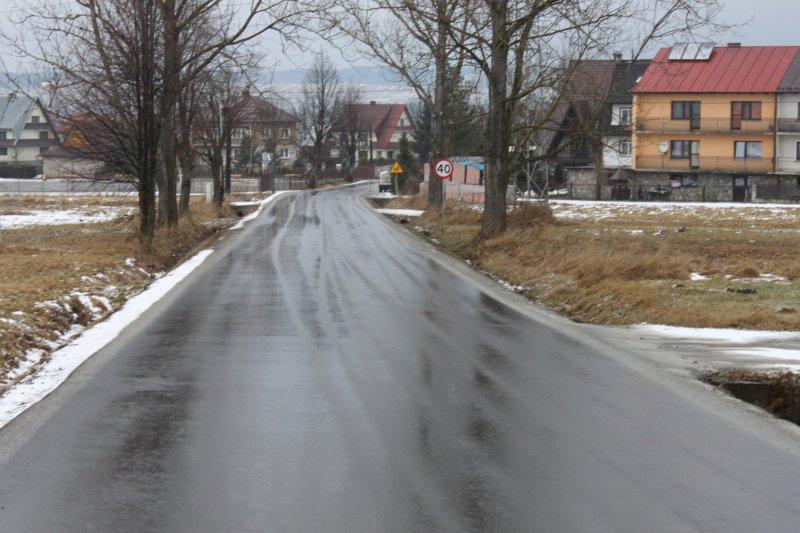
column 599, row 169
column 186, row 157
column 167, row 200
column 498, row 128
column 217, row 175
column 435, row 185
column 228, row 154
column 186, row 187
column 147, row 212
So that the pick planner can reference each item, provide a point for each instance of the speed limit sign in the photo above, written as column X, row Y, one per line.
column 443, row 168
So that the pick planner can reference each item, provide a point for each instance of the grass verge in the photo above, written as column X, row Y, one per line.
column 694, row 267
column 56, row 280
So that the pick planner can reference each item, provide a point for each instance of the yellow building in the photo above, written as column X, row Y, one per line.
column 705, row 121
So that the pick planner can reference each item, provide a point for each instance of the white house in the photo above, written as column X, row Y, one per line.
column 787, row 151
column 26, row 131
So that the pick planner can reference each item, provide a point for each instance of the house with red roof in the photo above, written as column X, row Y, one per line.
column 381, row 126
column 718, row 123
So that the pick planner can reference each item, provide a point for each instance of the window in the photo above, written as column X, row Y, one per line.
column 284, row 153
column 689, row 180
column 285, row 133
column 34, row 119
column 44, row 135
column 797, row 151
column 390, row 154
column 741, row 111
column 239, row 133
column 42, row 150
column 749, row 110
column 680, row 149
column 235, row 153
column 266, row 133
column 685, row 110
column 621, row 115
column 625, row 116
column 624, row 147
column 3, row 151
column 747, row 149
column 3, row 135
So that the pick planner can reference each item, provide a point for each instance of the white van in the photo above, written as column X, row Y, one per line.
column 385, row 181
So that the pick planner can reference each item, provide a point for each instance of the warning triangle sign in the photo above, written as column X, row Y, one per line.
column 396, row 168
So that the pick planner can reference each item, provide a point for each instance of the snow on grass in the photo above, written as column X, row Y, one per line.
column 53, row 217
column 67, row 359
column 261, row 205
column 724, row 335
column 603, row 209
column 401, row 212
column 697, row 276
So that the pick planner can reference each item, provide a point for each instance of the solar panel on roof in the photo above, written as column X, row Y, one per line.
column 677, row 51
column 691, row 52
column 705, row 51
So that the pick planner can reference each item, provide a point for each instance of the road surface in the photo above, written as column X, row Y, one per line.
column 322, row 373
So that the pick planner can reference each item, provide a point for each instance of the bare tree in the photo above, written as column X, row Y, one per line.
column 349, row 122
column 221, row 111
column 105, row 57
column 319, row 107
column 522, row 48
column 416, row 41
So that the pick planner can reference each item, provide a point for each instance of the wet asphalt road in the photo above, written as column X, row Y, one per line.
column 320, row 373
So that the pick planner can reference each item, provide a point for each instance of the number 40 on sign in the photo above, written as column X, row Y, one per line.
column 443, row 168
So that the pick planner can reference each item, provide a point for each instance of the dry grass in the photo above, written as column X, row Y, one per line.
column 636, row 267
column 47, row 272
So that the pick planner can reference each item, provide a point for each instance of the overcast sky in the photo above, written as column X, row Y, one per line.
column 766, row 22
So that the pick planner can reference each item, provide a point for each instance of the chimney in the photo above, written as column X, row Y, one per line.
column 734, row 45
column 617, row 57
column 372, row 102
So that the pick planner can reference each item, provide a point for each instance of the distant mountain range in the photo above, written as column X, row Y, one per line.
column 365, row 75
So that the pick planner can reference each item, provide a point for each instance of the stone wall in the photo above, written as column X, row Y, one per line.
column 658, row 186
column 581, row 184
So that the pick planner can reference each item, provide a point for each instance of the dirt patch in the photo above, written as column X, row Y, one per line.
column 775, row 392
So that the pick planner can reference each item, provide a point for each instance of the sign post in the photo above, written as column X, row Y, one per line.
column 443, row 168
column 396, row 169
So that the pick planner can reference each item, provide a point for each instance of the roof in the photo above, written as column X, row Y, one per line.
column 15, row 109
column 625, row 76
column 731, row 69
column 382, row 119
column 589, row 83
column 791, row 80
column 257, row 108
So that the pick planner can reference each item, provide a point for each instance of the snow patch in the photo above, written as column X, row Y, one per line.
column 400, row 212
column 42, row 217
column 261, row 205
column 65, row 360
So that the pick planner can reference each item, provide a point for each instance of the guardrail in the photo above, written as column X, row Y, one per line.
column 788, row 125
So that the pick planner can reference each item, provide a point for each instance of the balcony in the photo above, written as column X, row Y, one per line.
column 704, row 125
column 707, row 164
column 788, row 125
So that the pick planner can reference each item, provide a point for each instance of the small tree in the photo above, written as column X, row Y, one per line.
column 408, row 161
column 319, row 108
